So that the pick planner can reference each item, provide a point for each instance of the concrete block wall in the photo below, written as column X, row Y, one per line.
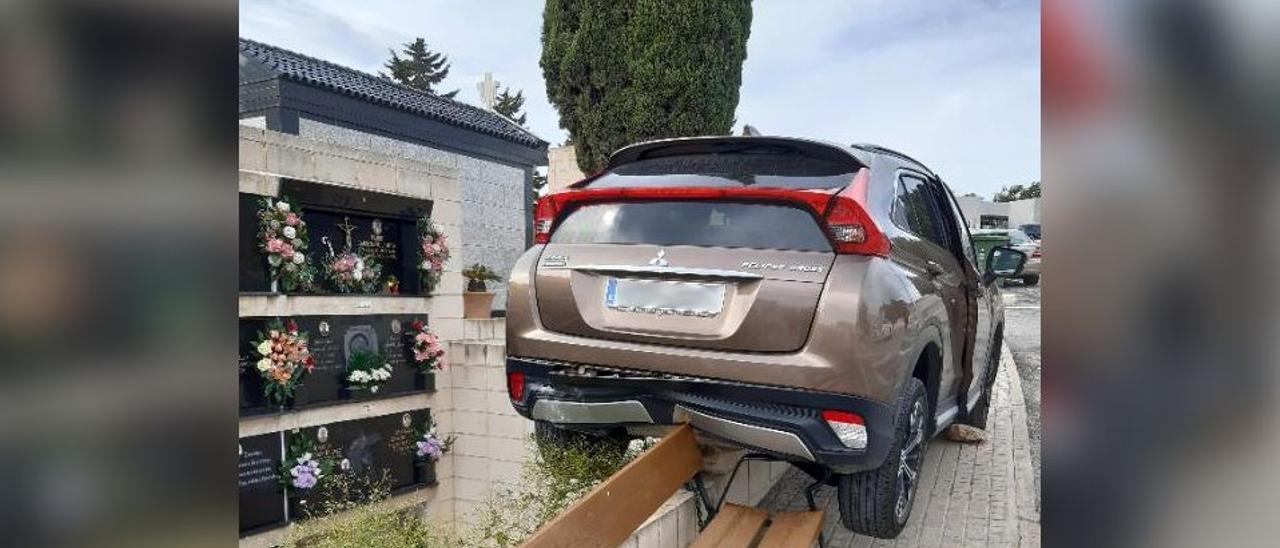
column 491, row 439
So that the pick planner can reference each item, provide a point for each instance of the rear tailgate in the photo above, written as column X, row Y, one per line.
column 714, row 275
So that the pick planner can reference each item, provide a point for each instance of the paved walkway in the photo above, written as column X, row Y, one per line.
column 970, row 495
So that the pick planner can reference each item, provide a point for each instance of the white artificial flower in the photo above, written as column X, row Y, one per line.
column 264, row 364
column 290, row 232
column 299, row 258
column 297, row 244
column 305, row 456
column 345, row 464
column 264, row 348
column 274, row 259
column 426, row 265
column 357, row 274
column 374, row 389
column 283, row 206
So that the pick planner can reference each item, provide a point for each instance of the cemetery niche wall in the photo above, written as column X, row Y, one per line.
column 402, row 344
column 326, row 240
column 299, row 474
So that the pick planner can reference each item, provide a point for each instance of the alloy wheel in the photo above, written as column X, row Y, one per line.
column 910, row 461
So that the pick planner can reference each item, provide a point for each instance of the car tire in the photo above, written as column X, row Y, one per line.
column 878, row 502
column 552, row 440
column 977, row 417
column 1031, row 280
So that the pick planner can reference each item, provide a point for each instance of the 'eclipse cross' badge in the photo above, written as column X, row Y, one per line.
column 660, row 259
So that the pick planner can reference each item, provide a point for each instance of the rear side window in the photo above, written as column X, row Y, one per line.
column 913, row 210
column 760, row 166
column 710, row 224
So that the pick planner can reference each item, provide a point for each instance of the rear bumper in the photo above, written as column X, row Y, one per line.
column 783, row 422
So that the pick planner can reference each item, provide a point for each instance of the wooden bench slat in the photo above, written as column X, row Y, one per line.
column 734, row 527
column 793, row 530
column 614, row 509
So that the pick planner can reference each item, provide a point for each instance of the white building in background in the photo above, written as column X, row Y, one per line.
column 980, row 213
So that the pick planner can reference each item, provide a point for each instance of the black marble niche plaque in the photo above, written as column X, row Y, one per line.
column 253, row 399
column 255, row 276
column 262, row 498
column 380, row 226
column 370, row 448
column 331, row 339
column 387, row 333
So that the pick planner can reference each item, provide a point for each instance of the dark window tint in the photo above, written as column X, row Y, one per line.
column 762, row 167
column 711, row 224
column 913, row 210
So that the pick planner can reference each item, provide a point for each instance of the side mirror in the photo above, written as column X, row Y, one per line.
column 1003, row 262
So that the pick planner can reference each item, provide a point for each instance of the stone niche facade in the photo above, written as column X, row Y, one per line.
column 466, row 399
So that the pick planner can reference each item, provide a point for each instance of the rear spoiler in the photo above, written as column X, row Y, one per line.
column 728, row 143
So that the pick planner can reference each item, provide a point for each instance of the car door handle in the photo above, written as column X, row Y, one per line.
column 933, row 268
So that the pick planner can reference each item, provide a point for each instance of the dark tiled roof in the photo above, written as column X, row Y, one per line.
column 323, row 74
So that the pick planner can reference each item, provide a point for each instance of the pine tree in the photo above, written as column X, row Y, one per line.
column 622, row 72
column 420, row 68
column 509, row 105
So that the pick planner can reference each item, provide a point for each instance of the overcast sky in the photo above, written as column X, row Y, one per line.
column 954, row 83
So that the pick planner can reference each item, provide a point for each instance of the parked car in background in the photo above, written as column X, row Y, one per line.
column 1032, row 230
column 1020, row 241
column 817, row 302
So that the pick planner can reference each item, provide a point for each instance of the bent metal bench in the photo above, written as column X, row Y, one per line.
column 611, row 512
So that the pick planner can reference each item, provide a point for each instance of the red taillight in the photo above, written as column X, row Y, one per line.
column 848, row 224
column 844, row 217
column 843, row 417
column 515, row 386
column 544, row 217
column 1036, row 254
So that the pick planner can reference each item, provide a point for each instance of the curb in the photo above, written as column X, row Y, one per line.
column 1024, row 479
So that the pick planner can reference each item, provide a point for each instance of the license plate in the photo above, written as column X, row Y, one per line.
column 664, row 297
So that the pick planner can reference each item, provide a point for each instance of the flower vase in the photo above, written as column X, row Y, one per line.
column 425, row 380
column 424, row 471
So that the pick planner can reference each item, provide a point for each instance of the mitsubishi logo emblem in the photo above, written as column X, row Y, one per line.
column 660, row 259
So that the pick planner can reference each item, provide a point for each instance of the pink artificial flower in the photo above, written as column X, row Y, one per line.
column 422, row 337
column 427, row 239
column 291, row 219
column 420, row 356
column 287, row 251
column 275, row 245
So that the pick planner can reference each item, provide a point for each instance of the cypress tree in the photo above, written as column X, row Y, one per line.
column 626, row 71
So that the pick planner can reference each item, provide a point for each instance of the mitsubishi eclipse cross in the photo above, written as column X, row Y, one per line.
column 816, row 302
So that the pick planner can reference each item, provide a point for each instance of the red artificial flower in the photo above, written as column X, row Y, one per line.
column 292, row 326
column 416, row 325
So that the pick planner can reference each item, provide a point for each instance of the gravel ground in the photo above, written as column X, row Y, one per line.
column 1022, row 334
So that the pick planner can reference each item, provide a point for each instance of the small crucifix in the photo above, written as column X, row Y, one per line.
column 347, row 227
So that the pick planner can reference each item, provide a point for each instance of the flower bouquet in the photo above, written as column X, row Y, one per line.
column 428, row 447
column 432, row 254
column 283, row 360
column 282, row 237
column 349, row 272
column 366, row 371
column 302, row 470
column 428, row 353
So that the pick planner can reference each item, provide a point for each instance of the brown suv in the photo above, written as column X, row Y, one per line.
column 816, row 302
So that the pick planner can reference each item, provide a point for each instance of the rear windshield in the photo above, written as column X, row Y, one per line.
column 711, row 224
column 760, row 166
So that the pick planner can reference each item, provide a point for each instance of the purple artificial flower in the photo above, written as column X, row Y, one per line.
column 430, row 447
